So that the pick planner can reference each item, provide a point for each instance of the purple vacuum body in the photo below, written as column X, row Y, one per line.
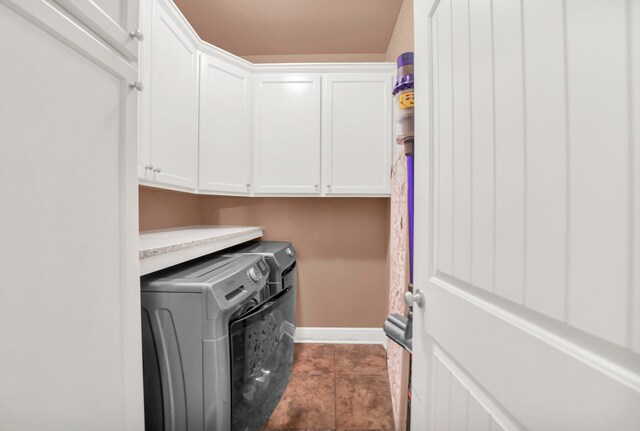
column 404, row 101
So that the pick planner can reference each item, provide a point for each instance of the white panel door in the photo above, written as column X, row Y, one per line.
column 527, row 215
column 225, row 127
column 70, row 321
column 173, row 103
column 356, row 134
column 114, row 20
column 287, row 134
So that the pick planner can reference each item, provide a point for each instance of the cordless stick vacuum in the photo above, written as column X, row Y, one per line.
column 403, row 96
column 398, row 327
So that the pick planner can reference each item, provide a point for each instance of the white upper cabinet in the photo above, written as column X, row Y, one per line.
column 225, row 127
column 287, row 134
column 114, row 20
column 68, row 123
column 356, row 134
column 170, row 116
column 221, row 125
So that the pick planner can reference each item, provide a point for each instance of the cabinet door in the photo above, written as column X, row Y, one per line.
column 69, row 232
column 287, row 134
column 114, row 20
column 225, row 127
column 145, row 171
column 357, row 127
column 172, row 104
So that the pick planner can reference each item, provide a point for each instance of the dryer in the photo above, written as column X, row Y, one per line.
column 281, row 258
column 217, row 345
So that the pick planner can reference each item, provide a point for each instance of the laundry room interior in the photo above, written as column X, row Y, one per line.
column 271, row 215
column 342, row 241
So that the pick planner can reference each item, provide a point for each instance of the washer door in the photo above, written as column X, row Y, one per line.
column 261, row 360
column 289, row 277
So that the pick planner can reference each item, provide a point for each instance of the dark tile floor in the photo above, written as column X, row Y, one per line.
column 336, row 387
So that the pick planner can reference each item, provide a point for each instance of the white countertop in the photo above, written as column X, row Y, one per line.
column 166, row 247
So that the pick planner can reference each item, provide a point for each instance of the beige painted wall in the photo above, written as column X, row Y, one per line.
column 342, row 246
column 342, row 252
column 159, row 209
column 402, row 36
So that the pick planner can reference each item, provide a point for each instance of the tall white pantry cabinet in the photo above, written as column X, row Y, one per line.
column 70, row 326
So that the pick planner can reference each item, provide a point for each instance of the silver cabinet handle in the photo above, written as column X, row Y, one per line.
column 136, row 34
column 414, row 298
column 137, row 85
column 148, row 167
column 157, row 170
column 315, row 185
column 248, row 184
column 328, row 186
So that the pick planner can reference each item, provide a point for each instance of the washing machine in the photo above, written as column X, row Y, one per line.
column 217, row 344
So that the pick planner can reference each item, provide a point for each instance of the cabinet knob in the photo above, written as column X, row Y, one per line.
column 157, row 170
column 328, row 186
column 315, row 185
column 248, row 184
column 136, row 34
column 137, row 85
column 148, row 167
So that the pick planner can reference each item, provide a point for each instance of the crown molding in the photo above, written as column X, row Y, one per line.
column 181, row 21
column 324, row 68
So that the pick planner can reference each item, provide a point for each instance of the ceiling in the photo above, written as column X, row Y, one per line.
column 285, row 27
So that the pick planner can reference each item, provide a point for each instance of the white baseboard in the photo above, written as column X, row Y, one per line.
column 340, row 335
